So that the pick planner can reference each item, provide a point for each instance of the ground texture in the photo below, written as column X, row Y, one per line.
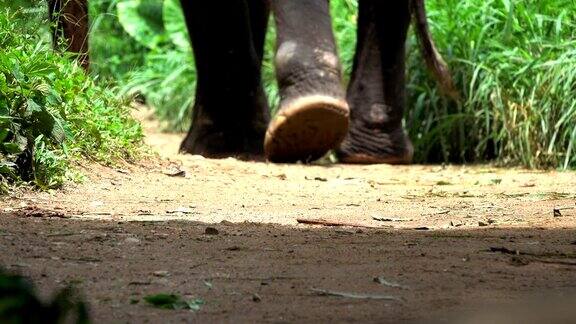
column 390, row 244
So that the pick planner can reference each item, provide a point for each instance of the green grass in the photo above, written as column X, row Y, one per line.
column 52, row 115
column 514, row 63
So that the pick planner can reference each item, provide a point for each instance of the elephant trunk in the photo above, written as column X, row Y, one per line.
column 432, row 57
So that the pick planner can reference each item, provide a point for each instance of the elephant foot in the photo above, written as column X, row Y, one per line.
column 306, row 128
column 374, row 146
column 214, row 146
column 222, row 140
column 314, row 115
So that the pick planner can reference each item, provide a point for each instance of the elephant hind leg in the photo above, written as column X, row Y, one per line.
column 376, row 92
column 230, row 113
column 313, row 114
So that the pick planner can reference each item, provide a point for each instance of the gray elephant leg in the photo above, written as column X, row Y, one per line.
column 70, row 20
column 231, row 111
column 376, row 92
column 313, row 114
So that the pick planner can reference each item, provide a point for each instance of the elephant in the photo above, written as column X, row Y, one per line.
column 316, row 114
column 362, row 123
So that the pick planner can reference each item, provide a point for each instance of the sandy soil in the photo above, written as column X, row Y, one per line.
column 441, row 241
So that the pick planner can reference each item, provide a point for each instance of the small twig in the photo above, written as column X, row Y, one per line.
column 558, row 210
column 323, row 222
column 387, row 219
column 139, row 283
column 564, row 263
column 536, row 257
column 387, row 283
column 84, row 259
column 97, row 214
column 323, row 292
column 442, row 212
column 504, row 250
column 61, row 234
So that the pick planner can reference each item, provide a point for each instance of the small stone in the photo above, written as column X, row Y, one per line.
column 197, row 158
column 161, row 273
column 132, row 240
column 482, row 224
column 211, row 231
column 179, row 173
column 256, row 298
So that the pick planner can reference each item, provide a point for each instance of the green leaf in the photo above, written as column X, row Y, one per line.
column 3, row 134
column 165, row 301
column 58, row 132
column 172, row 301
column 44, row 123
column 175, row 25
column 142, row 20
column 32, row 107
column 11, row 148
column 8, row 168
column 21, row 141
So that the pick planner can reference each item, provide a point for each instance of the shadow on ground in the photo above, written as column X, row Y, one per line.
column 272, row 273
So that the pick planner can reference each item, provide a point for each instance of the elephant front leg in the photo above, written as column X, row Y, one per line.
column 230, row 113
column 376, row 93
column 313, row 113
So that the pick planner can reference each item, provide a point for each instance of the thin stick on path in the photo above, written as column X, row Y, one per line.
column 324, row 222
column 324, row 292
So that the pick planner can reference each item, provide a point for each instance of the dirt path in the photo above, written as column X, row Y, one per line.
column 454, row 239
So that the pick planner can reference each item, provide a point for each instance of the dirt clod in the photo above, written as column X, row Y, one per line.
column 211, row 231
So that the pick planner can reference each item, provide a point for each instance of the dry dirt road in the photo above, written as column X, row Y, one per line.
column 409, row 243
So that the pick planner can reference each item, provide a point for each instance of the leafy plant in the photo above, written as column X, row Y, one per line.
column 52, row 114
column 172, row 301
column 19, row 303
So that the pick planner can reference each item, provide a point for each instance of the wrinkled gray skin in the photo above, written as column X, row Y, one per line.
column 231, row 114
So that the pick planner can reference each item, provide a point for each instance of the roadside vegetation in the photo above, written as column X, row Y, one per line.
column 514, row 63
column 52, row 115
